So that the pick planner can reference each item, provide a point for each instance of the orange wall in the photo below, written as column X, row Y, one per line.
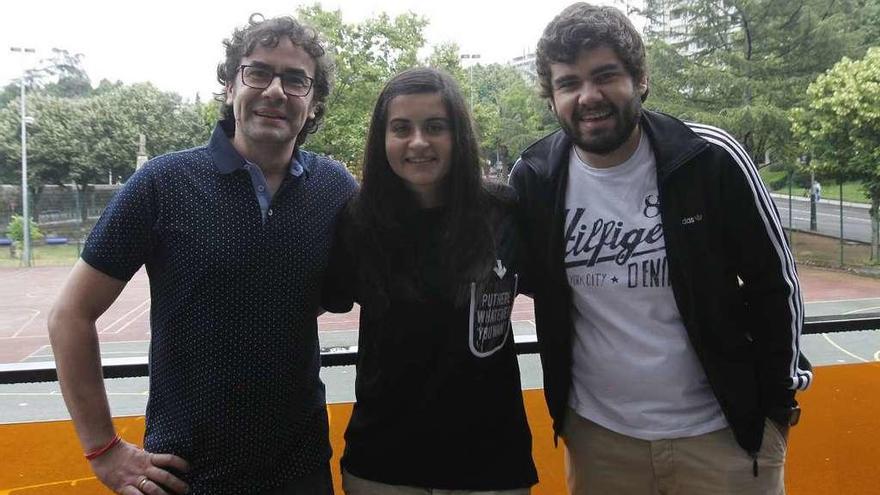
column 832, row 451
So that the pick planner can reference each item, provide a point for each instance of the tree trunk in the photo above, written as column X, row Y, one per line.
column 82, row 190
column 35, row 192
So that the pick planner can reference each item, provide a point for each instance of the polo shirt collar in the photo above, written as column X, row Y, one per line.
column 227, row 159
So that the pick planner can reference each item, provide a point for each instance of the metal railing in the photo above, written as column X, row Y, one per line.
column 528, row 344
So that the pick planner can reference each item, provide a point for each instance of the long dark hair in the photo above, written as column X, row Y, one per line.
column 384, row 237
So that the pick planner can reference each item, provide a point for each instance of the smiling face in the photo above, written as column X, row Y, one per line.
column 269, row 117
column 598, row 104
column 418, row 143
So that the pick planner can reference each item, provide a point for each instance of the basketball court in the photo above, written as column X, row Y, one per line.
column 26, row 297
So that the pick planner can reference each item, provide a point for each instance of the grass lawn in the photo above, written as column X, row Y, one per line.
column 42, row 255
column 852, row 191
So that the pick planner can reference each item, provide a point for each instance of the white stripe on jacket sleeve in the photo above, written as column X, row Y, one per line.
column 799, row 379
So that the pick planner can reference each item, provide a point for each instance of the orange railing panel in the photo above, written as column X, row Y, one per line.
column 832, row 451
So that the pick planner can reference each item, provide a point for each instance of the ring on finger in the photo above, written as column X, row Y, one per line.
column 142, row 482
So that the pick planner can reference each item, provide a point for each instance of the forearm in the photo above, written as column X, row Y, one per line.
column 121, row 466
column 77, row 358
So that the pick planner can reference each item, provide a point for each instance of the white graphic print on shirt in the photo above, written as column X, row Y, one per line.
column 490, row 309
column 609, row 240
column 634, row 370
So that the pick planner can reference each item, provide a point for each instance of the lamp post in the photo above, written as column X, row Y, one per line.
column 471, row 56
column 25, row 208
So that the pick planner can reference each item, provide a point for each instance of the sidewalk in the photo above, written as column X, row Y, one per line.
column 801, row 199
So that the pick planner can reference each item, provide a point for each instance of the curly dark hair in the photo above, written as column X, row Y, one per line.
column 268, row 32
column 583, row 26
column 383, row 208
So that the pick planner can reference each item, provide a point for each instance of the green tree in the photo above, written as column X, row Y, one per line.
column 447, row 57
column 123, row 114
column 112, row 125
column 367, row 54
column 51, row 142
column 82, row 140
column 742, row 64
column 62, row 75
column 841, row 127
column 15, row 230
column 209, row 111
column 509, row 113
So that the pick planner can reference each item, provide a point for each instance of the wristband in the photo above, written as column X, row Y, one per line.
column 103, row 450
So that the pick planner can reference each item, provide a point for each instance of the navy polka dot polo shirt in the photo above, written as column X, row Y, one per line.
column 234, row 356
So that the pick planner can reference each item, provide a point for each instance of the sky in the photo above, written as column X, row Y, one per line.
column 176, row 44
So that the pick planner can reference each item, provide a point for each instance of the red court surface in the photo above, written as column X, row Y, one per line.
column 26, row 296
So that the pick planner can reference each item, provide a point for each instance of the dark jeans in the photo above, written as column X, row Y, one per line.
column 319, row 483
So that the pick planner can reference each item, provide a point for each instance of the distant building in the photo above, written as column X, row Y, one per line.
column 628, row 7
column 525, row 64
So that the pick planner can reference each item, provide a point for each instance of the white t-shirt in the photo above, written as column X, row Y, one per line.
column 634, row 370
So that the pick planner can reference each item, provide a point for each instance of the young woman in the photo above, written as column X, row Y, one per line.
column 432, row 256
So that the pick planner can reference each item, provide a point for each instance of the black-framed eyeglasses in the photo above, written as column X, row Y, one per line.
column 259, row 77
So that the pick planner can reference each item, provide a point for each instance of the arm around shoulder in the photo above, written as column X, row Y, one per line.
column 340, row 277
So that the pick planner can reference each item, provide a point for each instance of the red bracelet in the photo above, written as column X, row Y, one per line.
column 103, row 450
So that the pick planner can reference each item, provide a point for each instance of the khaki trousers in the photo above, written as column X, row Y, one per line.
column 352, row 485
column 599, row 461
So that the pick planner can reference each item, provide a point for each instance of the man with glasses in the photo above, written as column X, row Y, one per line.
column 235, row 237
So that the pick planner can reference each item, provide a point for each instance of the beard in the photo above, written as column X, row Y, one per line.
column 604, row 141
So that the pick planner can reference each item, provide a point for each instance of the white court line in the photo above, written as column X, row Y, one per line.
column 123, row 327
column 861, row 310
column 21, row 329
column 841, row 349
column 108, row 327
column 33, row 353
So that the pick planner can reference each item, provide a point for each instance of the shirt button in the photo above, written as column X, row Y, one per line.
column 269, row 212
column 261, row 188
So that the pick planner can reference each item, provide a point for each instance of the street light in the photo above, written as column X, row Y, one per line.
column 471, row 56
column 26, row 214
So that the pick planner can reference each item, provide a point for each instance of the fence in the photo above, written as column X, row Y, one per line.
column 63, row 214
column 63, row 210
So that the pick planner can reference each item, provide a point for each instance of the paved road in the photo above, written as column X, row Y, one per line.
column 856, row 220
